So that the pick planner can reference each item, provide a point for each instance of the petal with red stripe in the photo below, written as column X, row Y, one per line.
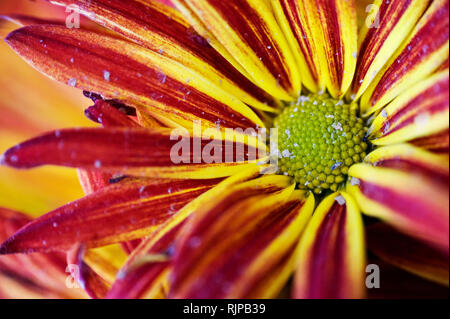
column 145, row 274
column 248, row 30
column 127, row 72
column 326, row 32
column 416, row 204
column 419, row 56
column 419, row 112
column 302, row 28
column 388, row 23
column 331, row 256
column 407, row 253
column 229, row 246
column 438, row 143
column 411, row 159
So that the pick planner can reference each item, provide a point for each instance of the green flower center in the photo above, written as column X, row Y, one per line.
column 319, row 138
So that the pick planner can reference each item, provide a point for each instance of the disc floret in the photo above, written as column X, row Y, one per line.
column 319, row 138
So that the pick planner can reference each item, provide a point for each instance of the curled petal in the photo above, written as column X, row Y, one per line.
column 127, row 72
column 388, row 23
column 117, row 213
column 249, row 32
column 419, row 56
column 407, row 253
column 421, row 111
column 331, row 257
column 412, row 203
column 229, row 246
column 104, row 113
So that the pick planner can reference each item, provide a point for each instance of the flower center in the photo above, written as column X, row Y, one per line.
column 319, row 138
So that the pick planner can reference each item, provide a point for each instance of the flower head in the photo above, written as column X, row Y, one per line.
column 182, row 172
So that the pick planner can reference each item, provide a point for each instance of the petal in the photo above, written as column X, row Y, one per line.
column 326, row 32
column 407, row 253
column 229, row 246
column 418, row 57
column 411, row 159
column 249, row 32
column 438, row 143
column 412, row 203
column 419, row 112
column 245, row 176
column 164, row 30
column 130, row 73
column 99, row 148
column 146, row 271
column 388, row 23
column 443, row 66
column 331, row 256
column 92, row 283
column 299, row 29
column 125, row 211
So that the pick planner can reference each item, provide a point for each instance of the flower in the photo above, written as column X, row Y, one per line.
column 363, row 127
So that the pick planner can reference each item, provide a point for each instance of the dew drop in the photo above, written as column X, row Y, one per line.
column 72, row 82
column 106, row 75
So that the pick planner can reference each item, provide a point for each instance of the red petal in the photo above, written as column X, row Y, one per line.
column 95, row 148
column 120, row 212
column 125, row 71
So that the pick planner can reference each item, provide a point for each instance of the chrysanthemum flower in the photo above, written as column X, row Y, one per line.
column 362, row 119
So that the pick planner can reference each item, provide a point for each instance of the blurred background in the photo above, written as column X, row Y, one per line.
column 31, row 104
